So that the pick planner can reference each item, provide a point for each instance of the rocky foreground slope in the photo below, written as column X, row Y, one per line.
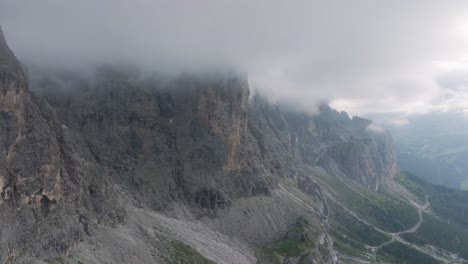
column 116, row 168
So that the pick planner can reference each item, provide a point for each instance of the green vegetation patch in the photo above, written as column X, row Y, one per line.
column 413, row 186
column 383, row 211
column 298, row 240
column 346, row 227
column 268, row 255
column 397, row 252
column 184, row 254
column 55, row 261
column 347, row 246
column 448, row 204
column 291, row 248
column 437, row 232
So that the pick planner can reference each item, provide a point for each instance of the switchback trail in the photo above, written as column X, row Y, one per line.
column 396, row 236
column 372, row 257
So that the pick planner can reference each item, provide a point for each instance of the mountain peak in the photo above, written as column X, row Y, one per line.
column 7, row 58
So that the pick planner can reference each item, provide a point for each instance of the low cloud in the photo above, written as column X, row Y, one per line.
column 362, row 55
column 375, row 128
column 399, row 122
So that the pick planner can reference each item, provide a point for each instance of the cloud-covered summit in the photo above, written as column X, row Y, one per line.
column 361, row 55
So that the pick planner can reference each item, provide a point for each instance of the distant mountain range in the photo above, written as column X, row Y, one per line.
column 433, row 146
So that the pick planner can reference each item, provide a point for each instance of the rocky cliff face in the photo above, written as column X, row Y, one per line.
column 50, row 187
column 183, row 139
column 73, row 158
column 8, row 62
column 294, row 140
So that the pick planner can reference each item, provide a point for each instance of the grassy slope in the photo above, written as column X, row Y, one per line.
column 297, row 242
column 380, row 210
column 355, row 234
column 184, row 254
column 447, row 225
column 397, row 252
column 449, row 204
column 353, row 237
column 435, row 231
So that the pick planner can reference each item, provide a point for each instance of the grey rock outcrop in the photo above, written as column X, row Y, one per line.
column 196, row 141
column 185, row 139
column 292, row 140
column 50, row 187
column 8, row 62
column 201, row 141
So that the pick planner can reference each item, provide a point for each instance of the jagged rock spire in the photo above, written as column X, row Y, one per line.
column 8, row 61
column 12, row 75
column 5, row 53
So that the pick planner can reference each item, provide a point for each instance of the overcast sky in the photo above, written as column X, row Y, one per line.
column 362, row 56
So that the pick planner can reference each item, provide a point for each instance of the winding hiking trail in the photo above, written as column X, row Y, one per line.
column 420, row 209
column 396, row 236
column 442, row 256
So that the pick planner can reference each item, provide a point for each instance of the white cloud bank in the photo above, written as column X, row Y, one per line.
column 361, row 55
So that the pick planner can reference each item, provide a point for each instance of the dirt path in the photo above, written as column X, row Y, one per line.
column 396, row 236
column 329, row 193
column 418, row 224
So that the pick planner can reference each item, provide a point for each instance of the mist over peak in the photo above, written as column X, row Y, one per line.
column 214, row 132
column 380, row 57
column 7, row 58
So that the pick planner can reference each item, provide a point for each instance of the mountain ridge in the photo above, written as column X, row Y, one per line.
column 106, row 163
